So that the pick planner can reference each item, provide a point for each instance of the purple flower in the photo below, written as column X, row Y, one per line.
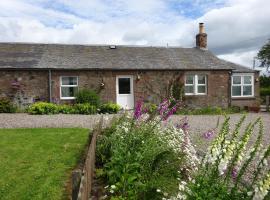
column 138, row 110
column 234, row 173
column 165, row 111
column 183, row 124
column 209, row 134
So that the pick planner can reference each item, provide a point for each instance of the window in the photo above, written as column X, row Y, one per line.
column 124, row 85
column 195, row 85
column 242, row 85
column 69, row 86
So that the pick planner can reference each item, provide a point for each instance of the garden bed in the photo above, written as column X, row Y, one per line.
column 144, row 156
column 37, row 163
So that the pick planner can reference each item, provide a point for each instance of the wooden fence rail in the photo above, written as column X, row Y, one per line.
column 85, row 178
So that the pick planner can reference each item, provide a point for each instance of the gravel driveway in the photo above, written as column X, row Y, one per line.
column 201, row 123
column 198, row 123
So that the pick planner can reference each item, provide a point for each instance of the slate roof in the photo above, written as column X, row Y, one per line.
column 62, row 56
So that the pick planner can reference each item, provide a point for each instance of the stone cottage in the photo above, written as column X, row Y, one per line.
column 124, row 74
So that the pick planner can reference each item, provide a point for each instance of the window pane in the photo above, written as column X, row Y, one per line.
column 69, row 80
column 68, row 91
column 247, row 79
column 189, row 89
column 201, row 89
column 189, row 79
column 124, row 85
column 201, row 79
column 236, row 91
column 236, row 79
column 247, row 90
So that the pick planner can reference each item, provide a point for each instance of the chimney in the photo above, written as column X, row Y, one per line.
column 201, row 38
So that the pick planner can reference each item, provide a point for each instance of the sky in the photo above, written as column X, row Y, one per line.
column 236, row 28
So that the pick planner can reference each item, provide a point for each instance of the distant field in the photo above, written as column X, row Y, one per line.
column 36, row 163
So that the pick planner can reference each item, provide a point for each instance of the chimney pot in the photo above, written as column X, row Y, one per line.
column 201, row 28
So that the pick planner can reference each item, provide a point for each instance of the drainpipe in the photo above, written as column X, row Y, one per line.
column 50, row 86
column 230, row 89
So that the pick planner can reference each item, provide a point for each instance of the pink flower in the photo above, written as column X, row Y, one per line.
column 183, row 124
column 138, row 110
column 234, row 173
column 165, row 110
column 209, row 134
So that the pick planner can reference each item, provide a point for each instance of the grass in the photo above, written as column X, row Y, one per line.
column 36, row 163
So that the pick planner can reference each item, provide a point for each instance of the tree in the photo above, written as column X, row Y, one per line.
column 264, row 56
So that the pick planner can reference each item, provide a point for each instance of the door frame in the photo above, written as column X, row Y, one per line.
column 131, row 88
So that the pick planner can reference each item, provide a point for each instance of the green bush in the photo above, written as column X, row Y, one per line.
column 6, row 106
column 209, row 111
column 110, row 108
column 43, row 108
column 85, row 109
column 87, row 96
column 150, row 108
column 66, row 109
column 265, row 91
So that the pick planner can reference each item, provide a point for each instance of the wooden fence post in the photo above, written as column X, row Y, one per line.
column 267, row 103
column 76, row 180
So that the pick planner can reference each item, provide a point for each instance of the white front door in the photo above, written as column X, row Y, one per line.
column 124, row 92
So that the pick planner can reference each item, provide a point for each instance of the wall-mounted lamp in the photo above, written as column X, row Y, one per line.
column 257, row 80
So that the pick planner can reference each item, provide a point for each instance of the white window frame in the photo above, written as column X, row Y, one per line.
column 196, row 84
column 242, row 84
column 61, row 86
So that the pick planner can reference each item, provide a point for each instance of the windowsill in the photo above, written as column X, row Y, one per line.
column 191, row 95
column 67, row 98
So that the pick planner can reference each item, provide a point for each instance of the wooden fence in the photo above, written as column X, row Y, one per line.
column 85, row 178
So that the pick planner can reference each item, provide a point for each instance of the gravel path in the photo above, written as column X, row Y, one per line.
column 201, row 123
column 198, row 123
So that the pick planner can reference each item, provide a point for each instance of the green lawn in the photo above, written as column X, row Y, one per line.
column 36, row 163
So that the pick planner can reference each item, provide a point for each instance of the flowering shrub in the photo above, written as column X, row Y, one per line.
column 85, row 109
column 44, row 108
column 6, row 106
column 110, row 108
column 223, row 170
column 143, row 160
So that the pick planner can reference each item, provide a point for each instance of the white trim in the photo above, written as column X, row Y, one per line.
column 131, row 88
column 242, row 75
column 67, row 98
column 196, row 84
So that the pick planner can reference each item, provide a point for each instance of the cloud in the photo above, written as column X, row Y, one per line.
column 236, row 28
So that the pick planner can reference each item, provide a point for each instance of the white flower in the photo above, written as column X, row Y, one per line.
column 158, row 190
column 113, row 187
column 249, row 193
